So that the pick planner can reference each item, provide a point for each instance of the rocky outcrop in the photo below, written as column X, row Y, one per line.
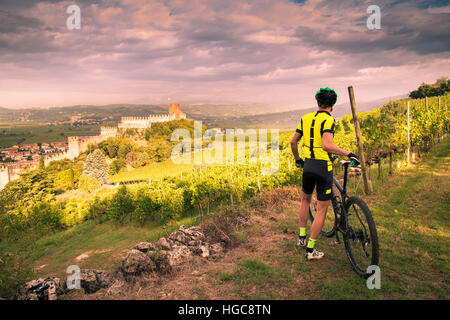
column 94, row 280
column 136, row 262
column 144, row 258
column 41, row 289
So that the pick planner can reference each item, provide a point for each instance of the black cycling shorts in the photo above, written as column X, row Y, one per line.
column 315, row 173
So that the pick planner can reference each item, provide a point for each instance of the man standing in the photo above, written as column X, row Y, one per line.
column 317, row 130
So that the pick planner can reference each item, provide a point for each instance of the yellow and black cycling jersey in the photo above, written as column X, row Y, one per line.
column 312, row 126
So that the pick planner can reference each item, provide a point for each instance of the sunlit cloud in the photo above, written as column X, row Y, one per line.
column 278, row 52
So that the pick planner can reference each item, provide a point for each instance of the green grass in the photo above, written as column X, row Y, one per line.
column 256, row 273
column 106, row 244
column 411, row 213
column 153, row 171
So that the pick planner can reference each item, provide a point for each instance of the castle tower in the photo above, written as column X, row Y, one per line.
column 74, row 147
column 174, row 111
column 4, row 177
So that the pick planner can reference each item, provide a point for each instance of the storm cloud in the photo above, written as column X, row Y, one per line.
column 273, row 51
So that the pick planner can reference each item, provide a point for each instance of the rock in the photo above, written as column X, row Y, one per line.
column 41, row 289
column 94, row 280
column 195, row 233
column 195, row 243
column 136, row 262
column 162, row 244
column 185, row 236
column 178, row 255
column 201, row 250
column 145, row 247
column 180, row 237
column 204, row 251
column 165, row 259
column 216, row 248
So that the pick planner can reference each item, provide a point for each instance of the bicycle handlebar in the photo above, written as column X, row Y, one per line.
column 344, row 162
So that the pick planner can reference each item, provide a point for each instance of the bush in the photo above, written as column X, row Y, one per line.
column 45, row 217
column 116, row 166
column 75, row 211
column 121, row 205
column 89, row 185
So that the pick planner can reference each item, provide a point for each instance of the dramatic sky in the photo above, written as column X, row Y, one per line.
column 196, row 51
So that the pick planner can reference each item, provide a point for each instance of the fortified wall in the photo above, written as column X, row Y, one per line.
column 146, row 122
column 79, row 144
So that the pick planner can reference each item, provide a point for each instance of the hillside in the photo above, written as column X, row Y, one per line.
column 289, row 119
column 212, row 114
column 413, row 226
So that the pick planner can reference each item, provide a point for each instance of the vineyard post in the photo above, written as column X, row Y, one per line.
column 439, row 108
column 408, row 152
column 359, row 140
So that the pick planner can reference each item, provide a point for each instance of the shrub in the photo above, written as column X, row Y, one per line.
column 87, row 184
column 116, row 166
column 75, row 211
column 121, row 205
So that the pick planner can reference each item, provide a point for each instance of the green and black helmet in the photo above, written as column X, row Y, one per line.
column 326, row 97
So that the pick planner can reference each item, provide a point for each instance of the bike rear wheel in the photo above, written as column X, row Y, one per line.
column 360, row 239
column 328, row 228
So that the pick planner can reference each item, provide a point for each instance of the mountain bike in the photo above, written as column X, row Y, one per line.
column 353, row 219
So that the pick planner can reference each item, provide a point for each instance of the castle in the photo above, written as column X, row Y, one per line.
column 146, row 122
column 80, row 144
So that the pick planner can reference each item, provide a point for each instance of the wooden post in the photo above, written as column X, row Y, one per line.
column 359, row 140
column 408, row 151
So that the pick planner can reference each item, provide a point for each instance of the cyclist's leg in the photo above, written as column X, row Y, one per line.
column 308, row 185
column 324, row 194
column 319, row 219
column 304, row 209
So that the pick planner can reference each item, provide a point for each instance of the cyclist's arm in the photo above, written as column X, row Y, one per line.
column 329, row 146
column 294, row 144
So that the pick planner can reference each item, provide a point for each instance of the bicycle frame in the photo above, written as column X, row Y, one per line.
column 340, row 221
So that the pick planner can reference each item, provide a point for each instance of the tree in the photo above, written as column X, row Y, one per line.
column 88, row 184
column 116, row 166
column 440, row 87
column 67, row 179
column 96, row 166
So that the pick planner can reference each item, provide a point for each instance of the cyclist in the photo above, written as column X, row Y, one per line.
column 317, row 130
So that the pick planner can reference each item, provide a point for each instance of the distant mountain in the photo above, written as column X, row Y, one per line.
column 114, row 112
column 343, row 109
column 290, row 119
column 216, row 115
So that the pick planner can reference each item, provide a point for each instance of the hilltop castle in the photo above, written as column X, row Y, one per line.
column 79, row 144
column 146, row 122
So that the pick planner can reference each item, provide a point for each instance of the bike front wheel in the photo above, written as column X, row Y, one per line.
column 360, row 238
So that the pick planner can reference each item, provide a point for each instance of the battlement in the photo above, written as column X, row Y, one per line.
column 79, row 144
column 146, row 122
column 108, row 132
